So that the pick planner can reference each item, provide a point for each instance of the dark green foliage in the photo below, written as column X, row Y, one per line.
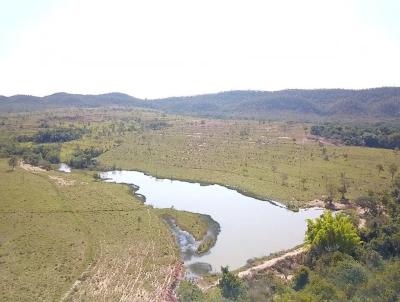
column 263, row 287
column 368, row 203
column 12, row 162
column 10, row 148
column 82, row 159
column 57, row 135
column 231, row 286
column 323, row 290
column 32, row 158
column 188, row 292
column 295, row 103
column 44, row 154
column 348, row 275
column 157, row 125
column 383, row 286
column 372, row 136
column 301, row 278
column 50, row 153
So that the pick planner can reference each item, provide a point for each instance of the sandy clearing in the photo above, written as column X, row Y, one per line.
column 31, row 168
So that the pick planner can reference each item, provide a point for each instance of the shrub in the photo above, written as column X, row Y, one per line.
column 301, row 278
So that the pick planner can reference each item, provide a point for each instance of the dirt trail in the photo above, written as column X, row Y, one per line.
column 31, row 168
column 271, row 262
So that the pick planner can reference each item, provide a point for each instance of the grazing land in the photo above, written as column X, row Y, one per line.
column 91, row 240
column 86, row 239
column 265, row 159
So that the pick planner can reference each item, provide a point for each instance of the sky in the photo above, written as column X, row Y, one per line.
column 159, row 48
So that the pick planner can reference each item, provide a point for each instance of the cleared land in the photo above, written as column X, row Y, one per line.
column 81, row 239
column 90, row 240
column 270, row 160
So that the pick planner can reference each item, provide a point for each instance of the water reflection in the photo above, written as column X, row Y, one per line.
column 249, row 227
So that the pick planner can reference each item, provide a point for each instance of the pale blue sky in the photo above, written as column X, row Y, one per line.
column 159, row 48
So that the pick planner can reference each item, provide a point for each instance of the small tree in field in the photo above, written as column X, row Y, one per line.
column 330, row 195
column 12, row 162
column 343, row 188
column 393, row 170
column 330, row 233
column 303, row 181
column 380, row 168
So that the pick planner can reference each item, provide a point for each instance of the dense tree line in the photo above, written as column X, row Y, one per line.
column 378, row 136
column 38, row 155
column 82, row 159
column 57, row 135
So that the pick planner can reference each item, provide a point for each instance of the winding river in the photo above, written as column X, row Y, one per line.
column 249, row 227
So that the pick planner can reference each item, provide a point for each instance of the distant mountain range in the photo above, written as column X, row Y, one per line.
column 376, row 103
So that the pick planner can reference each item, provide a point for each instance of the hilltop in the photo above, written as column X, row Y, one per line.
column 319, row 104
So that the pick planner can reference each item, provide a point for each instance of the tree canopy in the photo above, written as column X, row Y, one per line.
column 330, row 233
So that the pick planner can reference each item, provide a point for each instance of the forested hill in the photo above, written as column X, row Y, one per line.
column 378, row 103
column 19, row 103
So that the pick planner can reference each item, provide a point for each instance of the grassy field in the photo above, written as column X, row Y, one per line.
column 69, row 236
column 269, row 160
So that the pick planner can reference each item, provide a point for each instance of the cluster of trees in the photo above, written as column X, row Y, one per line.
column 56, row 135
column 37, row 155
column 157, row 125
column 230, row 288
column 347, row 264
column 82, row 159
column 379, row 136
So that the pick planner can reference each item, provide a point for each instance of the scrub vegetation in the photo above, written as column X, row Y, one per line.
column 70, row 236
column 265, row 159
column 341, row 262
column 91, row 240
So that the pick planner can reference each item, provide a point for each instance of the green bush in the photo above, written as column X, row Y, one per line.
column 330, row 233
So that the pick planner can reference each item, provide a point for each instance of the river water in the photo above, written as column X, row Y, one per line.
column 249, row 227
column 64, row 168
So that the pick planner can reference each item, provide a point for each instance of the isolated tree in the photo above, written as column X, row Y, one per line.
column 393, row 169
column 330, row 233
column 330, row 195
column 343, row 186
column 303, row 182
column 380, row 168
column 284, row 177
column 301, row 278
column 231, row 286
column 12, row 162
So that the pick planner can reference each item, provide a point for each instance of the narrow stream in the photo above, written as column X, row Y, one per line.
column 249, row 227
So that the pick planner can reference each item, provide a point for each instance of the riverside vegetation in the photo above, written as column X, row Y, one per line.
column 74, row 230
column 269, row 160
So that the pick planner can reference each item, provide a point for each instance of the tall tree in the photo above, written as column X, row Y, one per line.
column 380, row 168
column 393, row 169
column 12, row 162
column 231, row 286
